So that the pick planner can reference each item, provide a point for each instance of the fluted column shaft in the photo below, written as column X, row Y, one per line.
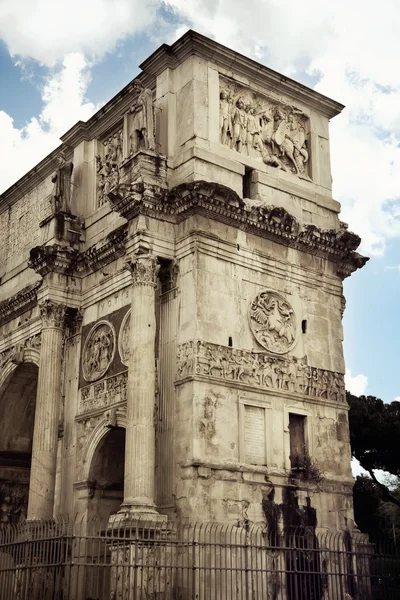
column 140, row 434
column 45, row 436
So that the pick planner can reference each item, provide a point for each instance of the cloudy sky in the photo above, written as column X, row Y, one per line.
column 61, row 61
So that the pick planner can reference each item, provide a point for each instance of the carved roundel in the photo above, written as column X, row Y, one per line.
column 273, row 322
column 98, row 351
column 124, row 337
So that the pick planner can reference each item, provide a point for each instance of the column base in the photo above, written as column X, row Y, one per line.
column 137, row 514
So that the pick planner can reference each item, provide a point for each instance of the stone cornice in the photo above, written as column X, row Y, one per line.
column 193, row 43
column 104, row 252
column 223, row 204
column 16, row 305
column 53, row 259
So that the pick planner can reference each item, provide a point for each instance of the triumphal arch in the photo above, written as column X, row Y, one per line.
column 171, row 305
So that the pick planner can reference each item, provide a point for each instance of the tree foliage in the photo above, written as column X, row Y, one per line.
column 375, row 438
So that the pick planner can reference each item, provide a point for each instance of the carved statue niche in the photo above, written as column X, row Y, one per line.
column 141, row 130
column 62, row 185
column 264, row 128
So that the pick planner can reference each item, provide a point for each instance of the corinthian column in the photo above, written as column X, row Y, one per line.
column 45, row 435
column 140, row 435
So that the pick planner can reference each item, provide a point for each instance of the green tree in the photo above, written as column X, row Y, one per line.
column 375, row 439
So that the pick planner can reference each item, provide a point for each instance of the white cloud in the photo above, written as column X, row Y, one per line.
column 64, row 103
column 47, row 30
column 356, row 385
column 351, row 48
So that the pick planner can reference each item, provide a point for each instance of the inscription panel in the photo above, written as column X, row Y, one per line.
column 254, row 435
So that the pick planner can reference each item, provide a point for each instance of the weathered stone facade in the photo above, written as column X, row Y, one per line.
column 171, row 305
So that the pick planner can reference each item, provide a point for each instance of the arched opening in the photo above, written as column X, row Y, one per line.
column 106, row 475
column 17, row 418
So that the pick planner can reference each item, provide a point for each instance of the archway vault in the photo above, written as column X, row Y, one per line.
column 18, row 387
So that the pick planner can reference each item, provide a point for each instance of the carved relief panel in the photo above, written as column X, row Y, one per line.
column 258, row 370
column 107, row 164
column 98, row 351
column 273, row 322
column 104, row 355
column 263, row 128
column 124, row 337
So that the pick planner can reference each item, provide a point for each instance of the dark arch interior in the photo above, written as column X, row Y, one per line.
column 17, row 417
column 107, row 474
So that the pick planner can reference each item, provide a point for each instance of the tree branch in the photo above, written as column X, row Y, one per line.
column 386, row 495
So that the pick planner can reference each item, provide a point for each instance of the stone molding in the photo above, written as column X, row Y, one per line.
column 103, row 253
column 252, row 474
column 16, row 353
column 223, row 204
column 258, row 370
column 21, row 302
column 143, row 268
column 53, row 259
column 53, row 314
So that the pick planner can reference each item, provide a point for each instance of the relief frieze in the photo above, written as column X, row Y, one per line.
column 103, row 393
column 258, row 370
column 261, row 127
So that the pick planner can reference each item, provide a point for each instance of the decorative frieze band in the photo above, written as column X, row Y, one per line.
column 18, row 304
column 259, row 370
column 103, row 393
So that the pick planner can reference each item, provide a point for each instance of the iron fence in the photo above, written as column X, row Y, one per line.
column 80, row 560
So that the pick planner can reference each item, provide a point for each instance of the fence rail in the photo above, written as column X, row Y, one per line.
column 97, row 560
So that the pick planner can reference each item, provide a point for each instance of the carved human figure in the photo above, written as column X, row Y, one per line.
column 116, row 147
column 6, row 510
column 239, row 125
column 62, row 185
column 254, row 137
column 267, row 128
column 282, row 138
column 324, row 384
column 215, row 362
column 268, row 373
column 142, row 126
column 292, row 374
column 225, row 118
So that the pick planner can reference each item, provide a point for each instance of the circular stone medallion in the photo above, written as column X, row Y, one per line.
column 124, row 337
column 273, row 322
column 98, row 351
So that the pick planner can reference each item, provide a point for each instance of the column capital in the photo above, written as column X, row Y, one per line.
column 52, row 313
column 144, row 269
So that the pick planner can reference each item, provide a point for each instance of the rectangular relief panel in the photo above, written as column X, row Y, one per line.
column 264, row 128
